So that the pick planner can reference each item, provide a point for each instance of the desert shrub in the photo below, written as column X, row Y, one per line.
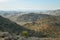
column 24, row 33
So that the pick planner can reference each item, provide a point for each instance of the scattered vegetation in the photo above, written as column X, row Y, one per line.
column 25, row 33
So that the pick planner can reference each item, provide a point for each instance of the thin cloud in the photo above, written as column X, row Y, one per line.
column 3, row 1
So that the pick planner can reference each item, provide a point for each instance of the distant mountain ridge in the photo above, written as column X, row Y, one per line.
column 51, row 12
column 30, row 17
column 19, row 17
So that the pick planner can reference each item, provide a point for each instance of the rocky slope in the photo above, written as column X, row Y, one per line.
column 9, row 26
column 48, row 26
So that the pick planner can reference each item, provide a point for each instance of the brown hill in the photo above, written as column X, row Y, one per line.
column 49, row 26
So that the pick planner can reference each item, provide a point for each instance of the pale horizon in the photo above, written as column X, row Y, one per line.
column 29, row 4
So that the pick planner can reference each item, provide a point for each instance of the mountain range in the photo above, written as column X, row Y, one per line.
column 42, row 24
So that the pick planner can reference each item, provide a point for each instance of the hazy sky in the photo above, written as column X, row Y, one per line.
column 29, row 4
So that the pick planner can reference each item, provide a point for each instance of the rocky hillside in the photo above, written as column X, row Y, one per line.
column 44, row 24
column 48, row 26
column 31, row 17
column 9, row 26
